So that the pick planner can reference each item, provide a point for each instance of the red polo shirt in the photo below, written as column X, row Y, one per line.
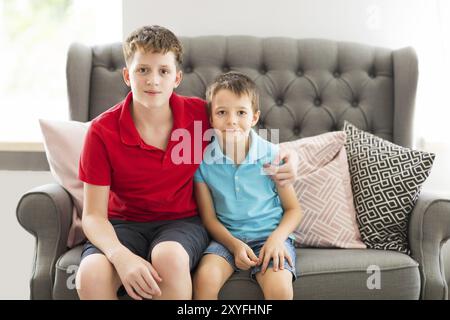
column 146, row 183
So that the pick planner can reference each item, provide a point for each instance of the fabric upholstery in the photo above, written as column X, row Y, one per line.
column 386, row 181
column 309, row 87
column 63, row 141
column 291, row 73
column 324, row 191
column 346, row 278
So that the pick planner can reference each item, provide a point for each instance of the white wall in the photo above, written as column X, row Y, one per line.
column 381, row 22
column 16, row 245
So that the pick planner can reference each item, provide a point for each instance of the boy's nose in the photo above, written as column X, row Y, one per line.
column 153, row 80
column 232, row 120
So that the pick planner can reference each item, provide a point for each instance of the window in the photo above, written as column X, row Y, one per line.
column 35, row 36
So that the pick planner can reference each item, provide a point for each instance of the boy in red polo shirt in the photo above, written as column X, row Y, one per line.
column 139, row 213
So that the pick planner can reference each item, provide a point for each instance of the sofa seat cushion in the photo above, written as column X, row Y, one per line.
column 322, row 274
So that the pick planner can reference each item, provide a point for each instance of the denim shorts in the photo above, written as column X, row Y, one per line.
column 256, row 245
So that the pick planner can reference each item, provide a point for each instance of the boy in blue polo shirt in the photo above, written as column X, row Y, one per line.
column 249, row 217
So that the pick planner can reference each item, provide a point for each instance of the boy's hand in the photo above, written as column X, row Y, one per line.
column 274, row 249
column 137, row 275
column 285, row 173
column 244, row 257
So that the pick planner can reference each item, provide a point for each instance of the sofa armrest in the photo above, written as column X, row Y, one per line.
column 46, row 213
column 429, row 232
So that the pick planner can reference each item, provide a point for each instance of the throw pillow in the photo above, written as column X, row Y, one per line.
column 63, row 141
column 386, row 181
column 324, row 192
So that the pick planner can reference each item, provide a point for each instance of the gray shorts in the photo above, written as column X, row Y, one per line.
column 141, row 237
column 256, row 245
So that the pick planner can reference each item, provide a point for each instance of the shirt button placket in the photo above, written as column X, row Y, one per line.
column 236, row 185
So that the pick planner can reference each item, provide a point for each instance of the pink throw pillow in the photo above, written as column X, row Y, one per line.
column 63, row 141
column 324, row 191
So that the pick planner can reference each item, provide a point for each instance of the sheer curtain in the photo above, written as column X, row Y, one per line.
column 432, row 124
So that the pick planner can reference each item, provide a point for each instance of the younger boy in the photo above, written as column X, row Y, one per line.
column 139, row 212
column 249, row 217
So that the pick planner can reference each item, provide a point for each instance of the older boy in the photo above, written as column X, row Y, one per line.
column 139, row 213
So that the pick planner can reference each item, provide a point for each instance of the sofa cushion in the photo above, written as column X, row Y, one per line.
column 324, row 191
column 63, row 141
column 322, row 274
column 386, row 181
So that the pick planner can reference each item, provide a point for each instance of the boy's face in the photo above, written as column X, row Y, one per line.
column 232, row 116
column 152, row 78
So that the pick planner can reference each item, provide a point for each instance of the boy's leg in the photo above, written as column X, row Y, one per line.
column 276, row 285
column 171, row 261
column 211, row 274
column 175, row 251
column 97, row 278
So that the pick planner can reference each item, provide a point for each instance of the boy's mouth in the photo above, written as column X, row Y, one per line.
column 153, row 93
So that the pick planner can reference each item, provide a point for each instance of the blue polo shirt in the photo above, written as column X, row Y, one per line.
column 245, row 199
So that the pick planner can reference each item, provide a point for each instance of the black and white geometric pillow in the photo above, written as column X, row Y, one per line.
column 386, row 182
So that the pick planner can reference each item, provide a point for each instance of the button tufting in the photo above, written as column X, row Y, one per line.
column 300, row 73
column 296, row 131
column 317, row 102
column 355, row 103
column 188, row 69
column 336, row 74
column 263, row 70
column 280, row 102
column 226, row 69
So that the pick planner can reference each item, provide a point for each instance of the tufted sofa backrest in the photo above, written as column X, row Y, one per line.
column 307, row 86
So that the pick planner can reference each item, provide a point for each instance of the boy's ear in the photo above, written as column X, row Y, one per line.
column 126, row 76
column 178, row 78
column 255, row 118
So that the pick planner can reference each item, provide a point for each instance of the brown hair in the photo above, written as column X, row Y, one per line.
column 236, row 82
column 153, row 39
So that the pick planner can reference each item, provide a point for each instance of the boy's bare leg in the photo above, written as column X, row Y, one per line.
column 97, row 279
column 212, row 273
column 276, row 285
column 171, row 261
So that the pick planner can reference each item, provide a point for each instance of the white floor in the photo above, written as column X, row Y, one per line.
column 16, row 245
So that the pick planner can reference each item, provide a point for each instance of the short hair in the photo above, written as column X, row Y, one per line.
column 153, row 39
column 236, row 82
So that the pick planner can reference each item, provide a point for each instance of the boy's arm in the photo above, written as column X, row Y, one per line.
column 209, row 218
column 243, row 254
column 137, row 274
column 292, row 212
column 274, row 247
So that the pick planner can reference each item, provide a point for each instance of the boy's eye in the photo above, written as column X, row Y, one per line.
column 142, row 70
column 242, row 113
column 164, row 71
column 221, row 112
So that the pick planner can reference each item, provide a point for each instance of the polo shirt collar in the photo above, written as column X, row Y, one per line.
column 182, row 118
column 258, row 150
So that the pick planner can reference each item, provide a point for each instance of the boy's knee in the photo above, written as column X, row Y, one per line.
column 169, row 257
column 279, row 291
column 96, row 272
column 207, row 275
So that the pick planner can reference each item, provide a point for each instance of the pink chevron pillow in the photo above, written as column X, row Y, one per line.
column 324, row 192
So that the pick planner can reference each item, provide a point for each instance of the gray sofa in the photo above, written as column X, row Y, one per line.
column 308, row 87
